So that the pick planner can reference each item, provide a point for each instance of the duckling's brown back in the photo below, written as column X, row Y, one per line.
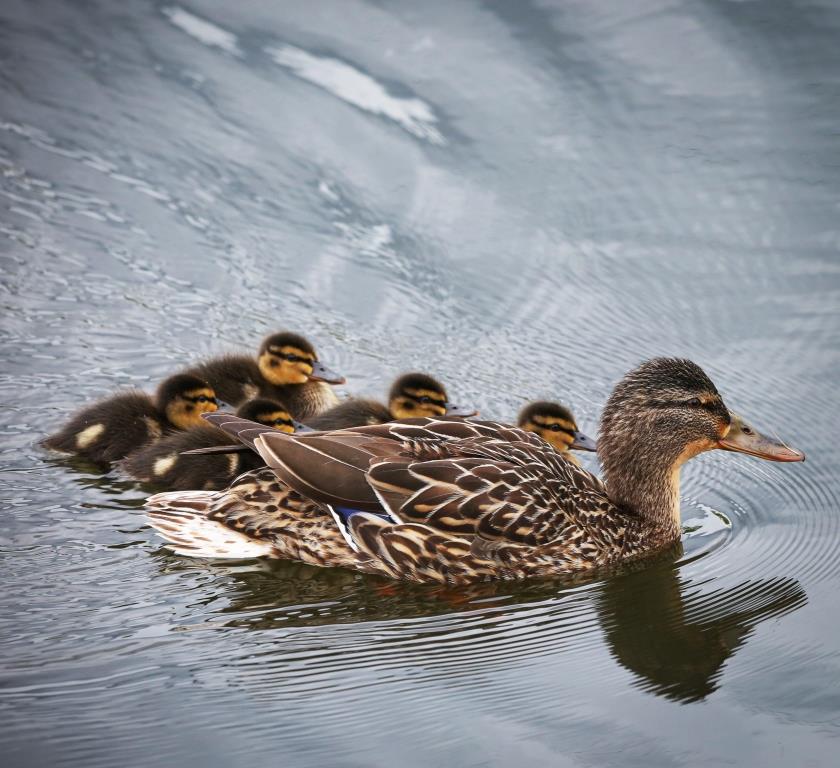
column 351, row 413
column 234, row 378
column 163, row 464
column 109, row 430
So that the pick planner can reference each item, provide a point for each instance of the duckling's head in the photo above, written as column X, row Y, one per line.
column 555, row 424
column 183, row 398
column 288, row 358
column 417, row 395
column 268, row 412
column 660, row 415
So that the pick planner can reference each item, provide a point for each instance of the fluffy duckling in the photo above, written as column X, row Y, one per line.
column 286, row 369
column 412, row 395
column 555, row 424
column 110, row 429
column 163, row 462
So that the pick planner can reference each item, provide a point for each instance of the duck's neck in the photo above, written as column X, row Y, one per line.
column 647, row 484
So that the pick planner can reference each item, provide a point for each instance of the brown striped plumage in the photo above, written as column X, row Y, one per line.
column 452, row 501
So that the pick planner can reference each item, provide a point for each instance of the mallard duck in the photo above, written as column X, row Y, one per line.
column 412, row 395
column 286, row 369
column 164, row 462
column 555, row 424
column 453, row 501
column 110, row 429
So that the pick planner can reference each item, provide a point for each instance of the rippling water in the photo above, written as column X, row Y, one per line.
column 523, row 197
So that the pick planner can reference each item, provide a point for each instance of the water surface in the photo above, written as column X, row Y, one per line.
column 525, row 198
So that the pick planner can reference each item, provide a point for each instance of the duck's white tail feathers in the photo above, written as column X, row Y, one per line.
column 181, row 518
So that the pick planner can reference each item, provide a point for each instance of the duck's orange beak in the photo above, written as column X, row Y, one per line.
column 742, row 438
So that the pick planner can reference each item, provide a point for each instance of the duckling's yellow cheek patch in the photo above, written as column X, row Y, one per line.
column 164, row 464
column 559, row 440
column 280, row 420
column 89, row 436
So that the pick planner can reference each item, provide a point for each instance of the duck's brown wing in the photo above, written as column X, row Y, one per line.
column 333, row 467
column 476, row 519
column 520, row 491
column 330, row 467
column 244, row 430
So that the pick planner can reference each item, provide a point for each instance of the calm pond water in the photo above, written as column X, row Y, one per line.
column 525, row 198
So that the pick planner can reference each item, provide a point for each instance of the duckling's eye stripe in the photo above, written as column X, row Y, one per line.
column 201, row 398
column 554, row 424
column 557, row 428
column 292, row 355
column 430, row 397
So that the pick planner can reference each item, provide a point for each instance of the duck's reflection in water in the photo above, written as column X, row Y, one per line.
column 676, row 638
column 670, row 632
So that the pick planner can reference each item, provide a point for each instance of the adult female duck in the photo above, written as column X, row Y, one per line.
column 454, row 502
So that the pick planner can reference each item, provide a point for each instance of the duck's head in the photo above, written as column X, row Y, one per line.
column 661, row 414
column 269, row 412
column 183, row 398
column 555, row 424
column 417, row 395
column 288, row 358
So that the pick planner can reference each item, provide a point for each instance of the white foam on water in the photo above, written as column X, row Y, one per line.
column 202, row 30
column 360, row 90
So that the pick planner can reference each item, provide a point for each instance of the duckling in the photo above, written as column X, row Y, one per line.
column 454, row 501
column 555, row 424
column 110, row 429
column 163, row 462
column 286, row 369
column 412, row 395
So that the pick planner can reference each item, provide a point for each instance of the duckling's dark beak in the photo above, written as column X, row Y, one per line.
column 301, row 427
column 322, row 373
column 460, row 410
column 742, row 438
column 582, row 442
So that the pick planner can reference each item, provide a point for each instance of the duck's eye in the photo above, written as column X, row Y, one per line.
column 201, row 399
column 694, row 402
column 746, row 430
column 278, row 422
column 555, row 427
column 425, row 399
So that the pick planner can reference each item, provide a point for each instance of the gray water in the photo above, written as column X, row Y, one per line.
column 524, row 198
